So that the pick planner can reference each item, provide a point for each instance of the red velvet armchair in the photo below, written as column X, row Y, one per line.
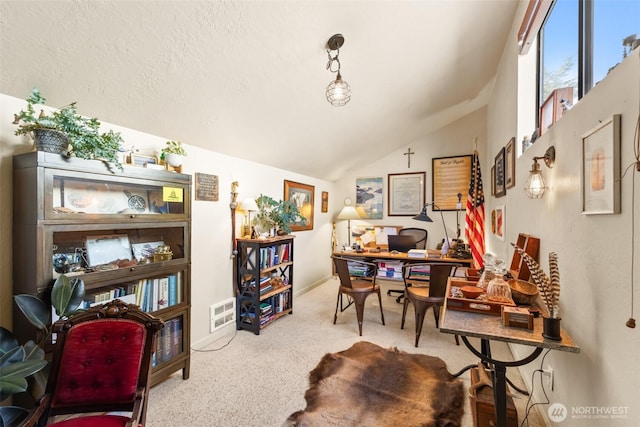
column 101, row 364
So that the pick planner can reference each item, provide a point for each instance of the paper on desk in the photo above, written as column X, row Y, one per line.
column 383, row 232
column 367, row 237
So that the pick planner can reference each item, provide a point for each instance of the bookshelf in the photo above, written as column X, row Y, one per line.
column 125, row 233
column 264, row 281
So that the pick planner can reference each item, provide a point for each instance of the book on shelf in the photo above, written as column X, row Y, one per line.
column 176, row 336
column 163, row 293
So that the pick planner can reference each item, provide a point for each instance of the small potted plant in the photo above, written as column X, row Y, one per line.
column 173, row 153
column 64, row 127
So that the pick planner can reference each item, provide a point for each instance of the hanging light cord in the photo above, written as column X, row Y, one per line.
column 631, row 323
column 332, row 60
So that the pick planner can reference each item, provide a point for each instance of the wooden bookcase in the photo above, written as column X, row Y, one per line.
column 77, row 217
column 264, row 281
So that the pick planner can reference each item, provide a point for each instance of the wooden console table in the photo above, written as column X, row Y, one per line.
column 490, row 327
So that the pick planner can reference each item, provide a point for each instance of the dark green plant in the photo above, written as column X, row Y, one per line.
column 277, row 213
column 84, row 133
column 18, row 362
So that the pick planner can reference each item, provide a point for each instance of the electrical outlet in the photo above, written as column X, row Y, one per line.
column 548, row 372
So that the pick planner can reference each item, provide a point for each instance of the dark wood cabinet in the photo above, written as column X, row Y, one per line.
column 264, row 281
column 126, row 234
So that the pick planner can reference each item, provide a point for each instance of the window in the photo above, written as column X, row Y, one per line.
column 582, row 40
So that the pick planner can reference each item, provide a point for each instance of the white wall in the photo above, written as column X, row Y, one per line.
column 211, row 280
column 594, row 251
column 455, row 139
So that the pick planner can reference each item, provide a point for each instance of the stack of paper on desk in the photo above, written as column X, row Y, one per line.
column 417, row 253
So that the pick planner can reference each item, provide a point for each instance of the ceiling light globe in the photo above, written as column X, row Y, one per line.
column 338, row 92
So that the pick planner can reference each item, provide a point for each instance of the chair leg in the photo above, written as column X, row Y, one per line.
column 380, row 302
column 436, row 314
column 457, row 339
column 421, row 309
column 335, row 316
column 404, row 311
column 359, row 300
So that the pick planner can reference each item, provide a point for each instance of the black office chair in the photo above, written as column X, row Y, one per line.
column 421, row 243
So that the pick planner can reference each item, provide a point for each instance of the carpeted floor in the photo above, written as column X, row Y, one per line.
column 259, row 380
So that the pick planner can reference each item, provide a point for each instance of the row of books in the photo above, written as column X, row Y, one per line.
column 274, row 255
column 149, row 294
column 168, row 341
column 390, row 269
column 270, row 308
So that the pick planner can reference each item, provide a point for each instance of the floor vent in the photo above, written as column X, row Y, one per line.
column 222, row 314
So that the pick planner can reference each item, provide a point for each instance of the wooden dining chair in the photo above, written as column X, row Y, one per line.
column 357, row 282
column 421, row 243
column 425, row 286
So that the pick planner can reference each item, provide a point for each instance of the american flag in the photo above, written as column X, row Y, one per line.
column 475, row 214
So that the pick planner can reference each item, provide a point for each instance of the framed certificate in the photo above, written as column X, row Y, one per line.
column 406, row 193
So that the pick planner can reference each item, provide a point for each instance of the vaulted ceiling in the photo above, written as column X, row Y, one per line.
column 248, row 78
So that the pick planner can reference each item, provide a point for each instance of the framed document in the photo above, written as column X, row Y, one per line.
column 501, row 189
column 451, row 176
column 406, row 193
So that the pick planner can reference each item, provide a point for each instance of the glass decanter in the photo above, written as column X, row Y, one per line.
column 489, row 270
column 498, row 289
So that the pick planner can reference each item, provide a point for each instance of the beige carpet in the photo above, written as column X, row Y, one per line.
column 259, row 380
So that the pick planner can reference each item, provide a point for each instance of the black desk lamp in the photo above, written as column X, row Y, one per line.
column 422, row 216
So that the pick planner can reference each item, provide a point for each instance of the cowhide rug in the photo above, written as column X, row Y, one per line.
column 367, row 385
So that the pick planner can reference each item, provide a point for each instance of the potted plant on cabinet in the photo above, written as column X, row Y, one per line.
column 64, row 127
column 276, row 215
column 173, row 153
column 19, row 363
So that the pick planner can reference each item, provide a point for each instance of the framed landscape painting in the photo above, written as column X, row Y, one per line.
column 369, row 197
column 302, row 196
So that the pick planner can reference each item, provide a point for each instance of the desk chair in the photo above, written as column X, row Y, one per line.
column 425, row 293
column 101, row 363
column 356, row 288
column 421, row 243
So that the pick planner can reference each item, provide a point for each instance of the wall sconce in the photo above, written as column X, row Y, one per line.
column 536, row 184
column 348, row 213
column 338, row 91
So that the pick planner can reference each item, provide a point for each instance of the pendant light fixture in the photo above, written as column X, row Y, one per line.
column 338, row 91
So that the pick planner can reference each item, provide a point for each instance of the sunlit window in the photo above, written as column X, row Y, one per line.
column 606, row 36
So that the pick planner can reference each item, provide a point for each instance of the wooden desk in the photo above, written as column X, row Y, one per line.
column 372, row 256
column 490, row 327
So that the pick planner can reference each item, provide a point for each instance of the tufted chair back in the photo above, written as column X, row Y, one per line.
column 101, row 363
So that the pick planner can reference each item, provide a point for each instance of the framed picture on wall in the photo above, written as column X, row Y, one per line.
column 493, row 180
column 302, row 196
column 324, row 208
column 500, row 222
column 501, row 189
column 510, row 163
column 601, row 168
column 369, row 199
column 406, row 193
column 450, row 176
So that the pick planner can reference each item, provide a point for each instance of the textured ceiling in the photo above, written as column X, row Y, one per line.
column 247, row 78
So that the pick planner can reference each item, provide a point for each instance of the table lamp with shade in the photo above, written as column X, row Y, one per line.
column 348, row 212
column 249, row 204
column 422, row 216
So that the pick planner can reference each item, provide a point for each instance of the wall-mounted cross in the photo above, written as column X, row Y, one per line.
column 408, row 154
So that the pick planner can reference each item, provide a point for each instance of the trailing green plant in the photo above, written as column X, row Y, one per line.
column 84, row 133
column 19, row 363
column 277, row 213
column 174, row 147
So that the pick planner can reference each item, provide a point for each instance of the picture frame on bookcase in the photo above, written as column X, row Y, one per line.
column 600, row 168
